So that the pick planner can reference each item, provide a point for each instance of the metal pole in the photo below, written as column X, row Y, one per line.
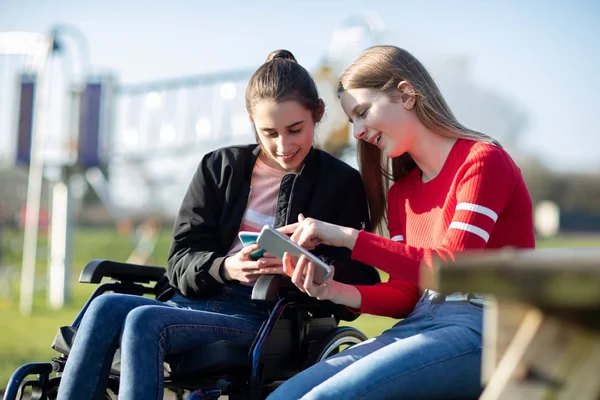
column 61, row 225
column 61, row 235
column 60, row 245
column 34, row 188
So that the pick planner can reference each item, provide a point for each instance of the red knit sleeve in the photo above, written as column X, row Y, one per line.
column 487, row 182
column 395, row 298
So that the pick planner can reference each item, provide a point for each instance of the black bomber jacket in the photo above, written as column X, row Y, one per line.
column 212, row 210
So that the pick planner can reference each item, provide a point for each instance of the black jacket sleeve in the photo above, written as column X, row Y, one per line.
column 194, row 260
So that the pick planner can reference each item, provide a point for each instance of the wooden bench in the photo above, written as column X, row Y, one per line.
column 542, row 331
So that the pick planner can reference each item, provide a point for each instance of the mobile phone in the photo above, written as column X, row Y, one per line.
column 247, row 238
column 277, row 244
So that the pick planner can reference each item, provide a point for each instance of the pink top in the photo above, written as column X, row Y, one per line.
column 262, row 203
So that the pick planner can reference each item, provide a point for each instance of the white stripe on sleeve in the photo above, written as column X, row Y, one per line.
column 478, row 209
column 398, row 238
column 470, row 228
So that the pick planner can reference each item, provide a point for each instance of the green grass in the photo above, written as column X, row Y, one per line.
column 27, row 338
column 582, row 240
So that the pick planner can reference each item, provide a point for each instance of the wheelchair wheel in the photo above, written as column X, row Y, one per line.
column 334, row 342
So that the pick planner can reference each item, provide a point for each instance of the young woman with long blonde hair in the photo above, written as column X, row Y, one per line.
column 453, row 189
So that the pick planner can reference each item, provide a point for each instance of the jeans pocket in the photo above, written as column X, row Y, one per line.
column 432, row 310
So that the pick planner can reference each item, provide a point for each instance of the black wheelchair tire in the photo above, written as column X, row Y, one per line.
column 330, row 344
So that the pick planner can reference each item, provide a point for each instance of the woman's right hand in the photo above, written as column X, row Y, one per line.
column 310, row 232
column 240, row 267
column 302, row 271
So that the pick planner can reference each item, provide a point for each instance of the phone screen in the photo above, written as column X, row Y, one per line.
column 277, row 244
column 247, row 238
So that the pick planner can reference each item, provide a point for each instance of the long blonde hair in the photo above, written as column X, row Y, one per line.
column 382, row 68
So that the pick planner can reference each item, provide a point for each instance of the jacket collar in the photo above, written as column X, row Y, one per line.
column 300, row 185
column 251, row 162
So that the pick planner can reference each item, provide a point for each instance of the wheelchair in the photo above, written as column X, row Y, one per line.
column 297, row 334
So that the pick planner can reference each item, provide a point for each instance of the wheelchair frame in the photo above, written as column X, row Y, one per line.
column 130, row 279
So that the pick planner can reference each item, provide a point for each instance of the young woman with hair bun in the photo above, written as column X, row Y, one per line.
column 238, row 188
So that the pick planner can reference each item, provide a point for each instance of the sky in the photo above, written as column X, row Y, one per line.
column 543, row 55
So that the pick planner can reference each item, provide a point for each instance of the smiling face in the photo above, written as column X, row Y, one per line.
column 380, row 120
column 286, row 131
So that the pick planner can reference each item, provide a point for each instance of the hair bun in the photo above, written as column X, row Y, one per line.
column 285, row 54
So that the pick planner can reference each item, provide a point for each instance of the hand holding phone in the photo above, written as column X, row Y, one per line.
column 247, row 238
column 277, row 244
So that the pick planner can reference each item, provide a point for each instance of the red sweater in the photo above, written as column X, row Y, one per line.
column 478, row 201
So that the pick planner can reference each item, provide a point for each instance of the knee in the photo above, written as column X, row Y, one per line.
column 143, row 320
column 102, row 307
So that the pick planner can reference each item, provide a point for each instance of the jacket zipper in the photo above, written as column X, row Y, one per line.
column 287, row 213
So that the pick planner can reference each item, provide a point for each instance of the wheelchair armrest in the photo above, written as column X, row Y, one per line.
column 266, row 287
column 95, row 270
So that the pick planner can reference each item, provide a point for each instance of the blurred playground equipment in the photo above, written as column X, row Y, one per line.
column 136, row 146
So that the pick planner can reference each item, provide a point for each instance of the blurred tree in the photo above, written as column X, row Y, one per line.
column 574, row 192
column 578, row 192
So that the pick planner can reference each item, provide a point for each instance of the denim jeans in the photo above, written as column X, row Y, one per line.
column 435, row 353
column 146, row 331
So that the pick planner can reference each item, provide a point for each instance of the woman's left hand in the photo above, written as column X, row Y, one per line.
column 303, row 273
column 310, row 232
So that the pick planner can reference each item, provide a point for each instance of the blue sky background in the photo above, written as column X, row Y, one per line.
column 542, row 54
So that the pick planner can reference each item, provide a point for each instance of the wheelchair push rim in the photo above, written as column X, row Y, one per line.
column 332, row 343
column 334, row 348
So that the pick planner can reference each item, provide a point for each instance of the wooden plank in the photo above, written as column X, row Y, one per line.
column 501, row 320
column 555, row 352
column 549, row 278
column 548, row 359
column 510, row 364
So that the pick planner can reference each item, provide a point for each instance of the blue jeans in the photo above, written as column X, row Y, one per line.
column 435, row 353
column 146, row 330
